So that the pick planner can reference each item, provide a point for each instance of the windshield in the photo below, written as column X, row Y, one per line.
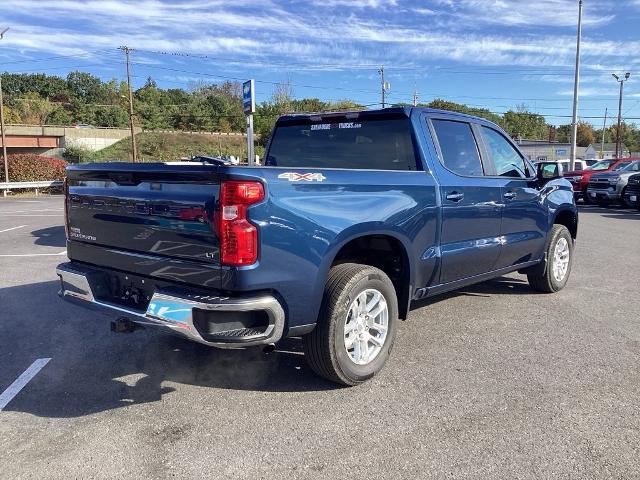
column 631, row 167
column 621, row 166
column 602, row 165
column 379, row 144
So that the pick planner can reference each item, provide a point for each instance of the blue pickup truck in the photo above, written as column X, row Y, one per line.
column 353, row 216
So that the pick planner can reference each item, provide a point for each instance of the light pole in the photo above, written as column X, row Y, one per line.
column 576, row 85
column 4, row 142
column 618, row 133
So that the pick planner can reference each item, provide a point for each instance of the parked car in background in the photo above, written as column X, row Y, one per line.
column 607, row 187
column 632, row 192
column 580, row 177
column 81, row 125
column 565, row 165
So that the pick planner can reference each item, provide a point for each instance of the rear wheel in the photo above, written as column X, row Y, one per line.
column 356, row 326
column 552, row 275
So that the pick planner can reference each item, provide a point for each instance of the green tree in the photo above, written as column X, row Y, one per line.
column 461, row 108
column 524, row 124
column 585, row 135
column 33, row 109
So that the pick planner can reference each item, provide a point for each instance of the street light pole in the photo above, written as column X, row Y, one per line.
column 576, row 85
column 4, row 142
column 618, row 132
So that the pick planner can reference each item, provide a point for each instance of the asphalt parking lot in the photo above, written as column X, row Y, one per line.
column 493, row 381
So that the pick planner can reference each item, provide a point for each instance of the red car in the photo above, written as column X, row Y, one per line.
column 580, row 178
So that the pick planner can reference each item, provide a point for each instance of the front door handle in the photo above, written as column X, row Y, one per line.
column 510, row 195
column 454, row 196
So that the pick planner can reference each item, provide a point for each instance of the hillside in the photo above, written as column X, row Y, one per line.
column 153, row 146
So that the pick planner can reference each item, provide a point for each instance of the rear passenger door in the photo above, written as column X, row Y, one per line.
column 471, row 216
column 525, row 215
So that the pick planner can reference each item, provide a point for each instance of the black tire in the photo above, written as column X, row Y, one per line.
column 541, row 278
column 586, row 198
column 324, row 347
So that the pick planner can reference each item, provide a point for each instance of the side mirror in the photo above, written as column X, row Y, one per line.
column 548, row 171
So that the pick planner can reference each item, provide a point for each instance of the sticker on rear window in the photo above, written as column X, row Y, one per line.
column 329, row 126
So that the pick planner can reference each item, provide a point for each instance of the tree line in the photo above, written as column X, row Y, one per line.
column 81, row 97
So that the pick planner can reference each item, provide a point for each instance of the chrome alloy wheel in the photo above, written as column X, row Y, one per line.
column 366, row 326
column 560, row 263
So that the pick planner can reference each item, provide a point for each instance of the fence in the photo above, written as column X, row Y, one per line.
column 4, row 186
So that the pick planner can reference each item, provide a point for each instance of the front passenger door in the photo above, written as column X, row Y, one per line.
column 525, row 216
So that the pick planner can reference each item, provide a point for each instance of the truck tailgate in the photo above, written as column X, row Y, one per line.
column 161, row 210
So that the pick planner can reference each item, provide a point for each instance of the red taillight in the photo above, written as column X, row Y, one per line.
column 238, row 237
column 65, row 188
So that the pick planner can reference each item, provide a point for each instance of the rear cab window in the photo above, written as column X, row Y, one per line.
column 359, row 143
column 458, row 148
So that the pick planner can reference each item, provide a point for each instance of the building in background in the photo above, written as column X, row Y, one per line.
column 544, row 151
column 609, row 150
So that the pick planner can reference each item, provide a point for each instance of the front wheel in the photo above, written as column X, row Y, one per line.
column 586, row 197
column 552, row 275
column 625, row 203
column 356, row 326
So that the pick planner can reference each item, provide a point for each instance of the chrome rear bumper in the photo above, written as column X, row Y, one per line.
column 175, row 313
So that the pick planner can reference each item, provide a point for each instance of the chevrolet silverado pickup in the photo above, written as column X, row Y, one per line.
column 353, row 216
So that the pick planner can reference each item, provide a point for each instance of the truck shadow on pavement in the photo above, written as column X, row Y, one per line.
column 93, row 370
column 497, row 286
column 50, row 237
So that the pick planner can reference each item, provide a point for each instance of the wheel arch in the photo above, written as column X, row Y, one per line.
column 569, row 218
column 385, row 250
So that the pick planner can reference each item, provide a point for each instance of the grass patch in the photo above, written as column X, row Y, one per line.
column 158, row 146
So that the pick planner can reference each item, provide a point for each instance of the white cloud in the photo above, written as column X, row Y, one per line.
column 255, row 32
column 545, row 13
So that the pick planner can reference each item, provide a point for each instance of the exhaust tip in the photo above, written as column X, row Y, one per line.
column 269, row 348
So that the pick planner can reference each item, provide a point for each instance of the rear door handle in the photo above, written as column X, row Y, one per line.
column 454, row 196
column 510, row 195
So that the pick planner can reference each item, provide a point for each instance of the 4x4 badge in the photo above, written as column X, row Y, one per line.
column 307, row 177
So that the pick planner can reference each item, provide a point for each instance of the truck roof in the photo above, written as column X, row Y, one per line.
column 393, row 112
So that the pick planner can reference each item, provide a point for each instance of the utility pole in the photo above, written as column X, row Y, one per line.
column 381, row 72
column 134, row 150
column 576, row 85
column 618, row 132
column 415, row 97
column 4, row 141
column 604, row 126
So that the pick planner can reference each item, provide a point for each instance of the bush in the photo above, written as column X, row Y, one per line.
column 77, row 154
column 30, row 167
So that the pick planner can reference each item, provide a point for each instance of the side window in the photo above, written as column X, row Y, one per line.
column 507, row 160
column 458, row 147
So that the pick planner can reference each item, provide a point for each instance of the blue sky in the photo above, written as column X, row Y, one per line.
column 490, row 53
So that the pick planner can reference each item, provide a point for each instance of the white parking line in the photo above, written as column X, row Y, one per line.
column 20, row 382
column 12, row 228
column 26, row 215
column 34, row 254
